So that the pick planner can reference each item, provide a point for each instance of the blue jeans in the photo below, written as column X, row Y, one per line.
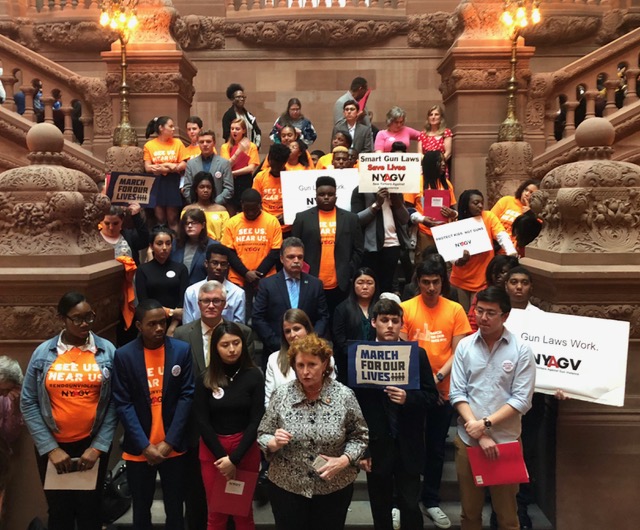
column 142, row 482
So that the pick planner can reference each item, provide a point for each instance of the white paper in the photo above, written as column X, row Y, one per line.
column 452, row 239
column 234, row 487
column 585, row 357
column 76, row 480
column 397, row 172
column 299, row 189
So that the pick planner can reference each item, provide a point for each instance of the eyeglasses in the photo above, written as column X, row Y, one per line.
column 221, row 264
column 239, row 97
column 212, row 301
column 490, row 314
column 89, row 318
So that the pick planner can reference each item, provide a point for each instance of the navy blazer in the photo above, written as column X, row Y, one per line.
column 133, row 400
column 272, row 300
column 197, row 271
column 348, row 248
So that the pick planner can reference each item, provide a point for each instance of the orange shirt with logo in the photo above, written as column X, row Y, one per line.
column 73, row 383
column 154, row 363
column 252, row 241
column 434, row 329
column 507, row 209
column 472, row 275
column 158, row 152
column 327, row 272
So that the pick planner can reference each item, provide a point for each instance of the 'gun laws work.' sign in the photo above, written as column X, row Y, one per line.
column 397, row 172
column 379, row 364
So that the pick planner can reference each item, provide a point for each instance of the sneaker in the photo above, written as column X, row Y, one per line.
column 525, row 520
column 438, row 517
column 395, row 517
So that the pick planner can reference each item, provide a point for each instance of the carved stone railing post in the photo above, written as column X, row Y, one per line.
column 590, row 96
column 611, row 85
column 632, row 85
column 29, row 92
column 570, row 127
column 49, row 245
column 68, row 123
column 47, row 102
column 8, row 81
column 585, row 262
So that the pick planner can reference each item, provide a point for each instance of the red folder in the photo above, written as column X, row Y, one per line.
column 234, row 503
column 509, row 468
column 433, row 201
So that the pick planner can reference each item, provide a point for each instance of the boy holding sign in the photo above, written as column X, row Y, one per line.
column 396, row 428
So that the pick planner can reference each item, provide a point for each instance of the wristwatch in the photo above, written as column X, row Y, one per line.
column 439, row 377
column 487, row 423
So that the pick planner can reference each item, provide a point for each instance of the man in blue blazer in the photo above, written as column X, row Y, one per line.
column 208, row 161
column 153, row 391
column 287, row 289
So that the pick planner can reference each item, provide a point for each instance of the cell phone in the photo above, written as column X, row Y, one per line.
column 319, row 462
column 75, row 465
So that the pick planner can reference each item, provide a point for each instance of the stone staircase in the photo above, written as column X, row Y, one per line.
column 359, row 515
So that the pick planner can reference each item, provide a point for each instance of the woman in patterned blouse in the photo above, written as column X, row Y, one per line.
column 313, row 433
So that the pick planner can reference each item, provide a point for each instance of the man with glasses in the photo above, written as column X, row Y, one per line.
column 492, row 382
column 212, row 298
column 217, row 265
column 438, row 324
column 362, row 139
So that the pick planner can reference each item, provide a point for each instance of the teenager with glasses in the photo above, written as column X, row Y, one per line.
column 66, row 405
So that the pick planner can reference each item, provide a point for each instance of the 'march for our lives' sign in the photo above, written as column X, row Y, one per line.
column 379, row 364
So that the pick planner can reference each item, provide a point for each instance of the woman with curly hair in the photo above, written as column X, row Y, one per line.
column 235, row 94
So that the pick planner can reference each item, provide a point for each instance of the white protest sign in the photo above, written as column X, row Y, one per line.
column 378, row 364
column 452, row 239
column 585, row 357
column 299, row 189
column 397, row 172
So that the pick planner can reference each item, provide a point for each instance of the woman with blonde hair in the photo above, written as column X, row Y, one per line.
column 243, row 156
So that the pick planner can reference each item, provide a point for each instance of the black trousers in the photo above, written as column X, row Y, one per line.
column 407, row 489
column 383, row 263
column 435, row 438
column 195, row 499
column 142, row 481
column 70, row 507
column 320, row 512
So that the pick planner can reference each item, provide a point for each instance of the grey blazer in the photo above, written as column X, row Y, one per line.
column 222, row 178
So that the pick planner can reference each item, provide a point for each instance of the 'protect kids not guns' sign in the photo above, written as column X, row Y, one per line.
column 380, row 364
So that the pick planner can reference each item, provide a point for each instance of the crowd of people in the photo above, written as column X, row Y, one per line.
column 234, row 359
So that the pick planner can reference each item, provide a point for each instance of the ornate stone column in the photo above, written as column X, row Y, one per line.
column 159, row 74
column 49, row 245
column 475, row 73
column 586, row 261
column 508, row 165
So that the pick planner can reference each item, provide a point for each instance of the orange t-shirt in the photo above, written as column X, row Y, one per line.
column 244, row 159
column 270, row 188
column 507, row 209
column 158, row 152
column 417, row 200
column 191, row 151
column 154, row 363
column 252, row 241
column 472, row 276
column 327, row 272
column 434, row 329
column 73, row 383
column 325, row 161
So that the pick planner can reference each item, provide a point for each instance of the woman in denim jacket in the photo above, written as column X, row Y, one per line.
column 66, row 405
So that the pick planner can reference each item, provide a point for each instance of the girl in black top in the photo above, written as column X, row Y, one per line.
column 162, row 279
column 229, row 404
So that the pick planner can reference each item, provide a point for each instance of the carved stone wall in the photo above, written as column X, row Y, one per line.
column 508, row 165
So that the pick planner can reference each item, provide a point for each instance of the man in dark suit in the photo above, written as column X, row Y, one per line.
column 333, row 241
column 289, row 288
column 396, row 430
column 212, row 299
column 362, row 139
column 208, row 161
column 153, row 391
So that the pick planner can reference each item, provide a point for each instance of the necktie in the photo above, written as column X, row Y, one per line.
column 294, row 292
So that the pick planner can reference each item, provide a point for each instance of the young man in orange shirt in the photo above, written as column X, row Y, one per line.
column 333, row 241
column 438, row 324
column 267, row 183
column 153, row 391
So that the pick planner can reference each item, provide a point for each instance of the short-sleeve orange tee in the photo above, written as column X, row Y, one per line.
column 327, row 272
